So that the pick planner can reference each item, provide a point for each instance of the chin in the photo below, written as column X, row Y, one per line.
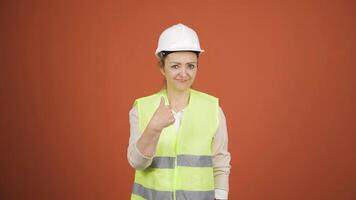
column 181, row 86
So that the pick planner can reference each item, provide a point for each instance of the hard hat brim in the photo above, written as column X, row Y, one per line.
column 174, row 50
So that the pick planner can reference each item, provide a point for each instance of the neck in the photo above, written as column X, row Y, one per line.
column 178, row 99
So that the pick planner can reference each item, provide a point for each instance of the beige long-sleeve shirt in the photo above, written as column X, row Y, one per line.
column 221, row 155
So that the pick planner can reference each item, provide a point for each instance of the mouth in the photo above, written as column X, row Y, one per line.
column 183, row 81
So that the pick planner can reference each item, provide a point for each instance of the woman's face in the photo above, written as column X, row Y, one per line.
column 180, row 69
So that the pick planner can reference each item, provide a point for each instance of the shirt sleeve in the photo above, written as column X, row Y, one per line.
column 136, row 159
column 221, row 159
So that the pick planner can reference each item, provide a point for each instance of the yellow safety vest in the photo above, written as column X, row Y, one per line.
column 182, row 166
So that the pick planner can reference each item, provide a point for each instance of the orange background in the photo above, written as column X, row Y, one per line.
column 283, row 70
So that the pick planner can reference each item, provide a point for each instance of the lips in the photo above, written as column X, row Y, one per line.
column 182, row 81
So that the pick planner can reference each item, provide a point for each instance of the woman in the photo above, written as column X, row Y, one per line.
column 178, row 136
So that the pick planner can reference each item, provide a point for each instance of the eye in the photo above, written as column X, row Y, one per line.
column 191, row 66
column 175, row 66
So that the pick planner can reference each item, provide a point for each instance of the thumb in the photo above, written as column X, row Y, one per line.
column 162, row 103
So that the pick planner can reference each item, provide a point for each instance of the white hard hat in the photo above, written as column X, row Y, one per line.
column 178, row 37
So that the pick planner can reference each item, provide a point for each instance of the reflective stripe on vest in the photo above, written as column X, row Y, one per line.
column 182, row 160
column 163, row 162
column 194, row 161
column 184, row 195
column 151, row 194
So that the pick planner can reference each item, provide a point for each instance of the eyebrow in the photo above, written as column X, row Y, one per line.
column 180, row 63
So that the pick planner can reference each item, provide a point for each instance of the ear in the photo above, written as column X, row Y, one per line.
column 162, row 71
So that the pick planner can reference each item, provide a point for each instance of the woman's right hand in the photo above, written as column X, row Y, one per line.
column 162, row 118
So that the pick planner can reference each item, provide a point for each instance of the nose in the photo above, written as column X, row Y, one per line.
column 183, row 72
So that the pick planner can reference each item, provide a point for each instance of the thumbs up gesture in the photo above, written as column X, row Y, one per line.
column 162, row 117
